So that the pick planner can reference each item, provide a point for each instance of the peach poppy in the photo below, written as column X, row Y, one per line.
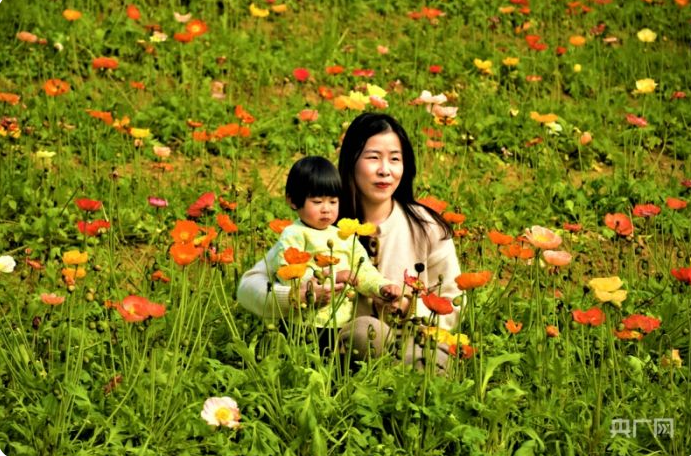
column 278, row 225
column 433, row 203
column 52, row 299
column 499, row 238
column 325, row 260
column 552, row 331
column 184, row 253
column 675, row 203
column 296, row 256
column 184, row 231
column 56, row 87
column 27, row 37
column 593, row 316
column 437, row 304
column 556, row 257
column 71, row 15
column 542, row 238
column 9, row 98
column 470, row 280
column 637, row 121
column 226, row 223
column 513, row 327
column 291, row 271
column 133, row 12
column 645, row 210
column 620, row 223
column 104, row 62
column 308, row 115
column 454, row 217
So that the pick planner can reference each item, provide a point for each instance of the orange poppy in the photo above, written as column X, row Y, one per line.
column 295, row 256
column 278, row 225
column 325, row 93
column 133, row 12
column 465, row 352
column 9, row 98
column 675, row 203
column 137, row 85
column 593, row 316
column 437, row 304
column 577, row 40
column 628, row 334
column 645, row 210
column 227, row 256
column 643, row 322
column 620, row 223
column 196, row 27
column 183, row 37
column 308, row 115
column 227, row 205
column 470, row 280
column 136, row 308
column 56, row 87
column 244, row 116
column 206, row 240
column 325, row 260
column 184, row 231
column 433, row 203
column 159, row 275
column 335, row 69
column 224, row 131
column 513, row 327
column 104, row 116
column 71, row 15
column 104, row 62
column 454, row 217
column 226, row 223
column 184, row 254
column 499, row 238
column 292, row 271
column 201, row 136
column 552, row 331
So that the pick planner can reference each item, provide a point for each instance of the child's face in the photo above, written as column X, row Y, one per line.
column 319, row 212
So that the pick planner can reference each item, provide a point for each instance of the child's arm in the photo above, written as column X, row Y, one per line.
column 292, row 236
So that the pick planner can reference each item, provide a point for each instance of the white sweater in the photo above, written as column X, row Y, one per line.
column 398, row 251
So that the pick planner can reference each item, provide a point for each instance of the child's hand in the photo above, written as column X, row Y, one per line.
column 346, row 277
column 390, row 292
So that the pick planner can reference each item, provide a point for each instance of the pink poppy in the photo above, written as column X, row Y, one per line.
column 157, row 202
column 557, row 257
column 636, row 121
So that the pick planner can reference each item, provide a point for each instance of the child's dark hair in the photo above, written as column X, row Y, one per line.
column 310, row 177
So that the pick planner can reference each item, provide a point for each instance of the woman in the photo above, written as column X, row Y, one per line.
column 377, row 169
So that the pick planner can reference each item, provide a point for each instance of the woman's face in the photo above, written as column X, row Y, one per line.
column 379, row 168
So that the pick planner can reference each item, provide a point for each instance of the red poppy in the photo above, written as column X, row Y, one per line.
column 184, row 254
column 513, row 327
column 437, row 304
column 56, row 87
column 136, row 308
column 183, row 37
column 465, row 352
column 645, row 210
column 195, row 27
column 296, row 256
column 620, row 223
column 133, row 12
column 88, row 205
column 93, row 228
column 498, row 238
column 278, row 225
column 206, row 201
column 678, row 95
column 414, row 282
column 643, row 322
column 686, row 183
column 682, row 274
column 639, row 122
column 435, row 69
column 593, row 316
column 675, row 203
column 534, row 43
column 335, row 69
column 470, row 280
column 104, row 62
column 301, row 74
column 433, row 203
column 572, row 227
column 363, row 72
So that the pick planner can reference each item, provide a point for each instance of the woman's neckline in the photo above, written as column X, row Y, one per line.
column 379, row 219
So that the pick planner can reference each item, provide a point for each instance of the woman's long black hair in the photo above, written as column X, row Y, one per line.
column 361, row 129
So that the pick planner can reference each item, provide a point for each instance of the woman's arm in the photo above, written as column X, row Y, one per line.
column 259, row 294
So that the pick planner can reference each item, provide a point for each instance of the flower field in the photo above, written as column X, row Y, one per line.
column 143, row 155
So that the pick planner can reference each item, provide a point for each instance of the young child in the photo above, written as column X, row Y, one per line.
column 312, row 190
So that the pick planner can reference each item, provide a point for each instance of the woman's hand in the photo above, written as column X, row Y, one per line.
column 322, row 293
column 399, row 305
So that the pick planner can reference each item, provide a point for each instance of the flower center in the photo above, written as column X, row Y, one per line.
column 223, row 414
